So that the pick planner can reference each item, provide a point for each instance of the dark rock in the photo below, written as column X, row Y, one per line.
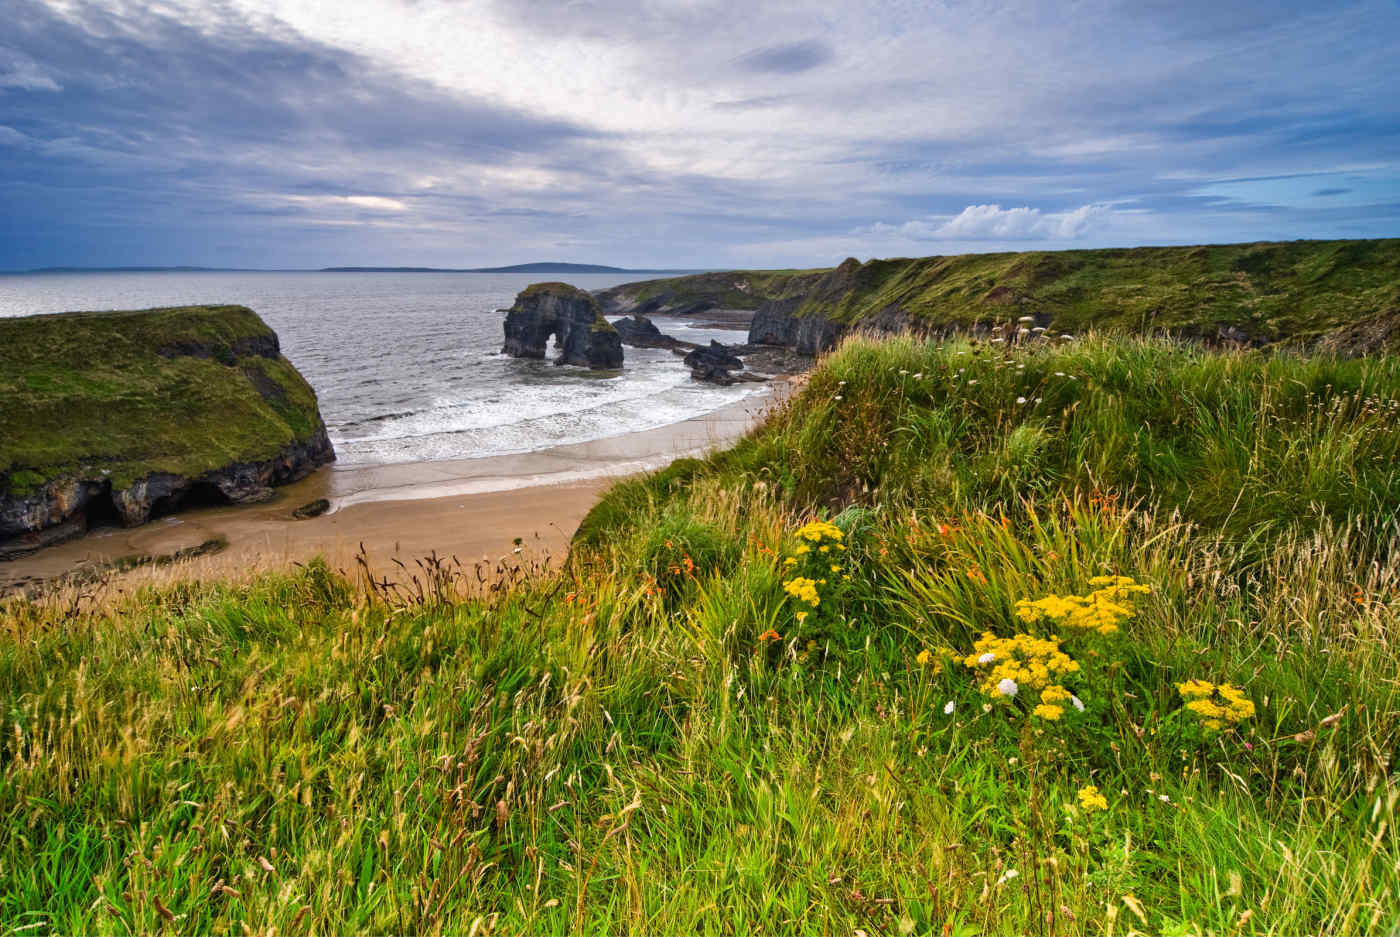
column 61, row 509
column 640, row 332
column 777, row 323
column 716, row 363
column 312, row 509
column 582, row 336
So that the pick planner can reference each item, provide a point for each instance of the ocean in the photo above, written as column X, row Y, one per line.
column 408, row 366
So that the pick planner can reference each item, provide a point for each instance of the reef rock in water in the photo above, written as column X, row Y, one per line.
column 582, row 336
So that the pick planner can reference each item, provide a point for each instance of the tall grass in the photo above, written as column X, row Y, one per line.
column 622, row 746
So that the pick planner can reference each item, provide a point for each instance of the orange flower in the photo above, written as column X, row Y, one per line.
column 976, row 576
column 769, row 635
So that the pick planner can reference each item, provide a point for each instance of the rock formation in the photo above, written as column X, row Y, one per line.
column 582, row 336
column 121, row 416
column 640, row 332
column 717, row 364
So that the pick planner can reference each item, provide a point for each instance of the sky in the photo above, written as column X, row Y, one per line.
column 685, row 133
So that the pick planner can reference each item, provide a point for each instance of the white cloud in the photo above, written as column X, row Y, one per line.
column 371, row 202
column 994, row 223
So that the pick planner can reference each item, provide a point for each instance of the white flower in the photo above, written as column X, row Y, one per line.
column 971, row 382
column 1007, row 876
column 986, row 658
column 1020, row 399
column 1026, row 319
column 948, row 708
column 1059, row 374
column 1007, row 687
column 837, row 397
column 1078, row 703
column 918, row 374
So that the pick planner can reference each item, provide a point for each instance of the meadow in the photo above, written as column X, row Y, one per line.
column 1089, row 636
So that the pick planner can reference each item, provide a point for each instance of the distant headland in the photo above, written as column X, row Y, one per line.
column 543, row 267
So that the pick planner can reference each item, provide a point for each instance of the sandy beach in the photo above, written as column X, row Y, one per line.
column 472, row 509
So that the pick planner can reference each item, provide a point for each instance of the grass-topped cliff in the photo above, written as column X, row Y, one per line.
column 119, row 415
column 1063, row 638
column 182, row 390
column 1343, row 295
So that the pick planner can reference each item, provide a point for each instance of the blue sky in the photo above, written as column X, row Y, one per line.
column 692, row 133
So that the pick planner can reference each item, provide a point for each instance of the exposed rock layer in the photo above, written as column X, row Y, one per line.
column 121, row 416
column 582, row 336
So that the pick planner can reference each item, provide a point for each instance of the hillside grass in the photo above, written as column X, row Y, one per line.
column 91, row 394
column 1340, row 293
column 665, row 738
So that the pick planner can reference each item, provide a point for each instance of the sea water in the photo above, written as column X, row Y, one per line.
column 408, row 366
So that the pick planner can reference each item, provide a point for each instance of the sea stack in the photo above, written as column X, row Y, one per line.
column 121, row 416
column 582, row 336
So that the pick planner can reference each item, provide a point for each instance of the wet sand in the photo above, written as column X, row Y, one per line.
column 473, row 509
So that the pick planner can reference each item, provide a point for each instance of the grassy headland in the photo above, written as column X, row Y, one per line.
column 723, row 717
column 180, row 390
column 1343, row 295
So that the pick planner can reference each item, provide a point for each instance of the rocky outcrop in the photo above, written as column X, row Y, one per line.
column 718, row 364
column 640, row 332
column 569, row 315
column 778, row 323
column 66, row 508
column 140, row 429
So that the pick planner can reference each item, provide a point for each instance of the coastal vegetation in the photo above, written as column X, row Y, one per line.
column 1090, row 636
column 1342, row 296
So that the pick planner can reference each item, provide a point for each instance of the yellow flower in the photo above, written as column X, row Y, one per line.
column 924, row 657
column 1220, row 707
column 1090, row 799
column 804, row 590
column 1048, row 712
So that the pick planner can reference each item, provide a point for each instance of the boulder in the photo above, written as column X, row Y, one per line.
column 572, row 317
column 640, row 332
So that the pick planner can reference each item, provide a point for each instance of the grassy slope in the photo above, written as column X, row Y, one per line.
column 746, row 289
column 91, row 390
column 1294, row 290
column 621, row 748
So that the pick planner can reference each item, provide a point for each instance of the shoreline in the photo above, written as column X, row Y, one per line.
column 473, row 509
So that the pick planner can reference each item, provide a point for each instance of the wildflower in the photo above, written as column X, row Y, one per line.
column 986, row 658
column 1046, row 711
column 948, row 708
column 1219, row 707
column 1020, row 400
column 769, row 635
column 924, row 657
column 804, row 590
column 801, row 617
column 918, row 374
column 1078, row 703
column 1007, row 876
column 1090, row 799
column 1007, row 687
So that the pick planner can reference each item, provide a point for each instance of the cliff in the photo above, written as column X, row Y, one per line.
column 583, row 337
column 119, row 416
column 1341, row 296
column 701, row 292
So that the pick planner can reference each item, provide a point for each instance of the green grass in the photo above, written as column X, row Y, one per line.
column 1300, row 292
column 622, row 746
column 87, row 393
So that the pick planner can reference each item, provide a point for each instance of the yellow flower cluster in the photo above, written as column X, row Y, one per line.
column 1219, row 706
column 1052, row 702
column 1102, row 610
column 804, row 590
column 1022, row 661
column 1090, row 799
column 817, row 531
column 933, row 660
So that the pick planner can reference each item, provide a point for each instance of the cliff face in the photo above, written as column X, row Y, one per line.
column 1335, row 295
column 119, row 416
column 697, row 293
column 573, row 317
